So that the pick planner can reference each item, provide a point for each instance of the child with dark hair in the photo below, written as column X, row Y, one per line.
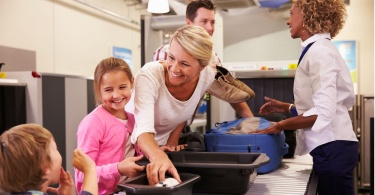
column 30, row 162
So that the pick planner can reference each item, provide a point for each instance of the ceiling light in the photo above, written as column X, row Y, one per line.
column 158, row 6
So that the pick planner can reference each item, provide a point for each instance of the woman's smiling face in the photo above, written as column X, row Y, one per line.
column 182, row 67
column 295, row 23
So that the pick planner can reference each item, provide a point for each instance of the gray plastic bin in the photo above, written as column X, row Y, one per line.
column 221, row 172
column 139, row 185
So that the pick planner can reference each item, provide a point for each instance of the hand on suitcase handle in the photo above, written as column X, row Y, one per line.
column 273, row 129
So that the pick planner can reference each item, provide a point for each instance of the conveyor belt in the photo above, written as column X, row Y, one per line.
column 290, row 178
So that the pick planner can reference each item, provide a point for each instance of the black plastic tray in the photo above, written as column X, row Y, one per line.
column 139, row 185
column 221, row 172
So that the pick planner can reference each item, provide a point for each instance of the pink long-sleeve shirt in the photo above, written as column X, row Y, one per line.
column 103, row 137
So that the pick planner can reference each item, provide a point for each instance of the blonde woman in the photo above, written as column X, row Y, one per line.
column 166, row 94
column 225, row 87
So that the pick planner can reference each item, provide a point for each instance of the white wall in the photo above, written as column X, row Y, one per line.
column 280, row 46
column 359, row 26
column 69, row 37
column 269, row 47
column 218, row 36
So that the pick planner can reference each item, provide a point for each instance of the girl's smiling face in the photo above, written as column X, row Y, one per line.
column 115, row 91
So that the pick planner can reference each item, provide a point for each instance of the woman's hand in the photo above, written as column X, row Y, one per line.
column 273, row 129
column 273, row 106
column 159, row 161
column 157, row 168
column 171, row 148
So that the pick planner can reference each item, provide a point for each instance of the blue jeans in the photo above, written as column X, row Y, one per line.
column 334, row 163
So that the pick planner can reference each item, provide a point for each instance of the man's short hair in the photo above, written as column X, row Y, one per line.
column 191, row 10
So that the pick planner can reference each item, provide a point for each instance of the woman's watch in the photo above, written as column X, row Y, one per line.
column 293, row 110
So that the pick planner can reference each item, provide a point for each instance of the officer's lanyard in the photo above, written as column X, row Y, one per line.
column 293, row 109
column 304, row 51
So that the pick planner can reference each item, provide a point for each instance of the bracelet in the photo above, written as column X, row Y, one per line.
column 290, row 108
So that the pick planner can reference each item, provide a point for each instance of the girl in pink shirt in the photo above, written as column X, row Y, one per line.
column 103, row 134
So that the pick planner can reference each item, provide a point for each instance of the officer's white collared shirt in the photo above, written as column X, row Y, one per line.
column 323, row 87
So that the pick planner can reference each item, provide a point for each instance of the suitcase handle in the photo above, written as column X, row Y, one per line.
column 236, row 148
